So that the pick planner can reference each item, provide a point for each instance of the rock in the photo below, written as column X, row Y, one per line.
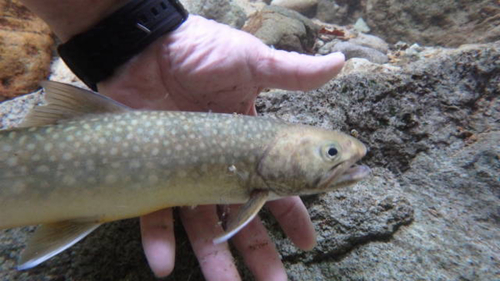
column 305, row 7
column 446, row 23
column 361, row 26
column 223, row 11
column 26, row 47
column 355, row 51
column 358, row 66
column 338, row 12
column 283, row 29
column 370, row 41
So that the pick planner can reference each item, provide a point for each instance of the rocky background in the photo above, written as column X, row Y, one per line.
column 420, row 88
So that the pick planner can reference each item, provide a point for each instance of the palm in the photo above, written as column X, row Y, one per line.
column 206, row 66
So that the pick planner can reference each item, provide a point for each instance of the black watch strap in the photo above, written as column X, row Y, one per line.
column 95, row 54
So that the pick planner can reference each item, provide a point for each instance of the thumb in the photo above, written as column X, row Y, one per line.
column 293, row 71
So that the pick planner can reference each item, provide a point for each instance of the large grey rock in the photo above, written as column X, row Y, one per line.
column 433, row 129
column 283, row 29
column 429, row 211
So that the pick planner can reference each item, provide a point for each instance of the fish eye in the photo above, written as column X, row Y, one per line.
column 332, row 151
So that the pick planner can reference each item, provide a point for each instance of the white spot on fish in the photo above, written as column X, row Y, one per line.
column 6, row 148
column 70, row 138
column 52, row 158
column 114, row 151
column 48, row 147
column 178, row 147
column 136, row 148
column 36, row 157
column 134, row 164
column 155, row 151
column 69, row 180
column 111, row 178
column 42, row 169
column 86, row 138
column 22, row 140
column 39, row 137
column 67, row 156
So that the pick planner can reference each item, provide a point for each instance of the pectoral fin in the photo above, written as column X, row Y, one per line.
column 246, row 213
column 51, row 239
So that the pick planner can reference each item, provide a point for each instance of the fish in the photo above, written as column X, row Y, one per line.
column 83, row 159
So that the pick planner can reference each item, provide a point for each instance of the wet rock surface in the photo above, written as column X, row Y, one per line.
column 429, row 211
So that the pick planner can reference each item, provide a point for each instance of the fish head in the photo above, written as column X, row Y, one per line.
column 307, row 160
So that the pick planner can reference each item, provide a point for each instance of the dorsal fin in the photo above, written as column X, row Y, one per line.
column 66, row 102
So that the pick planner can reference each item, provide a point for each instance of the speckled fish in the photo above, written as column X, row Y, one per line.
column 84, row 159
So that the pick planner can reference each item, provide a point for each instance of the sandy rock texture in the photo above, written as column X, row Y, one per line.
column 428, row 212
column 26, row 47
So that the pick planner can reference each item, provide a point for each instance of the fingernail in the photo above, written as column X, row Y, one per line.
column 339, row 55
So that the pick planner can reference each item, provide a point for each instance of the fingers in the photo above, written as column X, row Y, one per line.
column 202, row 225
column 158, row 240
column 294, row 219
column 293, row 71
column 259, row 252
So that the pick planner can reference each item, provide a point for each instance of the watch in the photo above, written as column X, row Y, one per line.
column 95, row 54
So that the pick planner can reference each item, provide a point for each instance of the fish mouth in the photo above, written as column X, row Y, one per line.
column 342, row 177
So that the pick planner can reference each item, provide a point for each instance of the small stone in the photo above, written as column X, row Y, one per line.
column 361, row 26
column 371, row 41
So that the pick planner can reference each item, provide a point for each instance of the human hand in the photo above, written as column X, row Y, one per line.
column 206, row 66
